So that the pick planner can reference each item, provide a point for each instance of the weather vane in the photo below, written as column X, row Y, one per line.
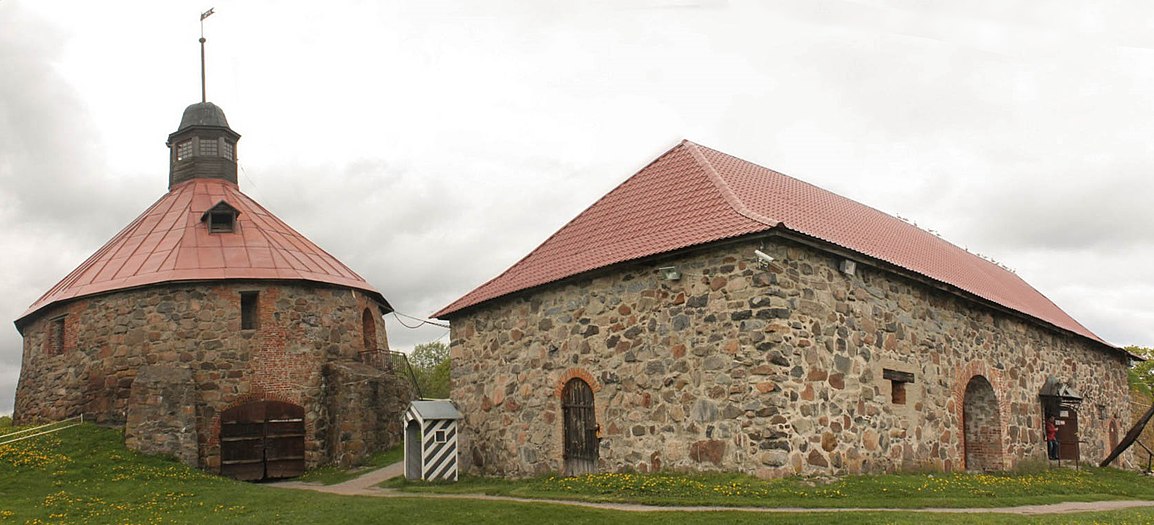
column 203, row 93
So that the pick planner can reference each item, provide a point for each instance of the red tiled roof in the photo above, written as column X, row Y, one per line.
column 694, row 195
column 168, row 242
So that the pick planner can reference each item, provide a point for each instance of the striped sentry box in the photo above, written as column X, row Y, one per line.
column 431, row 440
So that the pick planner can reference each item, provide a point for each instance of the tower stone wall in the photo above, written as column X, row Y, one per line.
column 198, row 361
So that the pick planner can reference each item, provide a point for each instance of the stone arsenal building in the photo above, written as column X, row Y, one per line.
column 712, row 314
column 215, row 333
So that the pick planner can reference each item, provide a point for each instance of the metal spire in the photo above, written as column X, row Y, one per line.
column 203, row 92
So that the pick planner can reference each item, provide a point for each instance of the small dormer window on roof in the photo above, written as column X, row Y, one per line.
column 220, row 218
column 221, row 222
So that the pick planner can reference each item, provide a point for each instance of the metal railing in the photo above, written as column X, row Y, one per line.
column 40, row 430
column 401, row 356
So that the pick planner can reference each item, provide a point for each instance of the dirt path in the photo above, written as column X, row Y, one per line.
column 366, row 486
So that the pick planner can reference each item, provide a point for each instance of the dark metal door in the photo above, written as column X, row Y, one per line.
column 1068, row 434
column 579, row 428
column 262, row 440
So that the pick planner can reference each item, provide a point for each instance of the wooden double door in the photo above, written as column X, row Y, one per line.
column 262, row 440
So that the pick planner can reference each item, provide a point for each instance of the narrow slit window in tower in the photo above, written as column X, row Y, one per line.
column 56, row 336
column 248, row 310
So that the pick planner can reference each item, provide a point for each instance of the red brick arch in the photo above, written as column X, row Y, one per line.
column 576, row 372
column 996, row 378
column 558, row 424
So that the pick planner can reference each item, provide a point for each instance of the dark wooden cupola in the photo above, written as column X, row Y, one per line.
column 203, row 146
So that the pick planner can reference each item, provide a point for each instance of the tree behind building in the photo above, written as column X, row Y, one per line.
column 431, row 365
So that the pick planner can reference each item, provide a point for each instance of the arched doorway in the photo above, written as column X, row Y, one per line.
column 579, row 428
column 982, row 426
column 368, row 331
column 1061, row 401
column 262, row 440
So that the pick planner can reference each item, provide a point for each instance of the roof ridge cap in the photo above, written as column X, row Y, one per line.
column 727, row 193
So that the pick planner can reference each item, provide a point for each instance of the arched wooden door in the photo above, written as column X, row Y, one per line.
column 262, row 440
column 579, row 428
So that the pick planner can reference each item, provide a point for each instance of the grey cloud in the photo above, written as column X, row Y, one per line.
column 1060, row 210
column 425, row 238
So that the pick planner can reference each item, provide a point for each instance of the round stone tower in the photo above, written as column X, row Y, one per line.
column 213, row 332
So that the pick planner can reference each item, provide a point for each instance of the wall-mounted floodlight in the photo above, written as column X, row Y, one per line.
column 848, row 267
column 670, row 272
column 765, row 258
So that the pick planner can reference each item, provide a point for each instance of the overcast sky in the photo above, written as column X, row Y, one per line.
column 431, row 144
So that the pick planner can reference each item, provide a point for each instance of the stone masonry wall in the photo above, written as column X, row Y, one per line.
column 366, row 405
column 161, row 415
column 769, row 371
column 197, row 326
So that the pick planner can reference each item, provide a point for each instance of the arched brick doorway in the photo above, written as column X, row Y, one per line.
column 579, row 428
column 368, row 331
column 982, row 426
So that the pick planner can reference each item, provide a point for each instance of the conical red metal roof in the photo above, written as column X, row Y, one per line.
column 693, row 195
column 170, row 243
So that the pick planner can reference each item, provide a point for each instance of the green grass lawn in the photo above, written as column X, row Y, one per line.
column 84, row 475
column 885, row 491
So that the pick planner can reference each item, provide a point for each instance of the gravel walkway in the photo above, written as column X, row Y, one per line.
column 366, row 486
